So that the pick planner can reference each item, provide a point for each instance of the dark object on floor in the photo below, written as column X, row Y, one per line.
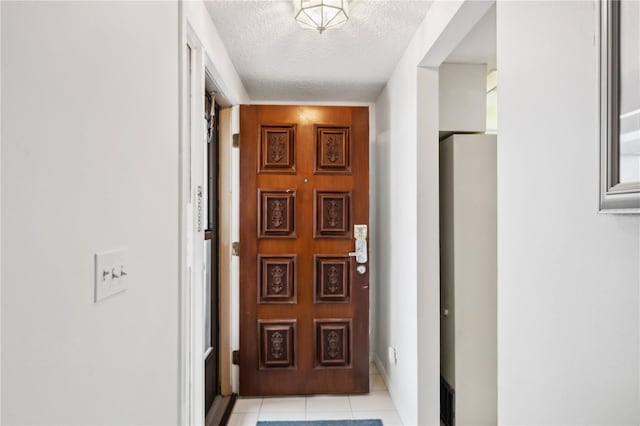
column 220, row 410
column 323, row 423
column 447, row 403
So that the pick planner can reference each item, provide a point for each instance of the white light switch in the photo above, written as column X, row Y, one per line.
column 111, row 273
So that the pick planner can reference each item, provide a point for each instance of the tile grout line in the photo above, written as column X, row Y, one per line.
column 353, row 414
column 259, row 410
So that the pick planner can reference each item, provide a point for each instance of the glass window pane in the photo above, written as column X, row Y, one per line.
column 629, row 91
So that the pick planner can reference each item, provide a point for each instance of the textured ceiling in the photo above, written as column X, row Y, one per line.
column 277, row 60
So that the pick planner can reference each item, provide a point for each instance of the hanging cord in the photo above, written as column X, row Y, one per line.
column 212, row 118
column 209, row 115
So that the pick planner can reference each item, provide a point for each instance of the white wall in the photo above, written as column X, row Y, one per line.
column 407, row 206
column 463, row 97
column 396, row 242
column 568, row 277
column 428, row 235
column 90, row 162
column 0, row 213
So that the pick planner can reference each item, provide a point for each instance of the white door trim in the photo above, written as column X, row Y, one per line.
column 191, row 229
column 196, row 68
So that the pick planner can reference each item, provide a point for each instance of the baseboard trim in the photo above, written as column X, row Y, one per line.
column 381, row 369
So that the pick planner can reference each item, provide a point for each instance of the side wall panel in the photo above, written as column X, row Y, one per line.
column 90, row 163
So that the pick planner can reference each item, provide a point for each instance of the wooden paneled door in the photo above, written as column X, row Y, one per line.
column 304, row 302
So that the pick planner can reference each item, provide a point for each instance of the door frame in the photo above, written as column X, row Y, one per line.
column 191, row 369
column 196, row 70
column 191, row 253
column 436, row 50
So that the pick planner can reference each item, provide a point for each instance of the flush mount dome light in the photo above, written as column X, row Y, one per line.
column 321, row 15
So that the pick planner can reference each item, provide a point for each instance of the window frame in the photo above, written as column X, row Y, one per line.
column 615, row 197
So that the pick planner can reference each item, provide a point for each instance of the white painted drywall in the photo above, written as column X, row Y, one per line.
column 407, row 208
column 568, row 277
column 463, row 97
column 428, row 236
column 449, row 23
column 0, row 211
column 397, row 243
column 90, row 162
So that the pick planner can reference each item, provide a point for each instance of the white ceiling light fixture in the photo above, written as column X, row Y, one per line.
column 321, row 15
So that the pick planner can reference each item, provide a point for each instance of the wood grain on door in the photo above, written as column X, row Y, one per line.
column 304, row 310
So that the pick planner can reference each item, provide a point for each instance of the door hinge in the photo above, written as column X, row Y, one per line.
column 236, row 140
column 235, row 248
column 235, row 357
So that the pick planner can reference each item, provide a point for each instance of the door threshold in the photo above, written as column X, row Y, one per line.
column 220, row 410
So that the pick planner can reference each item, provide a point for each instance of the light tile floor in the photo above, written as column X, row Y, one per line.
column 375, row 405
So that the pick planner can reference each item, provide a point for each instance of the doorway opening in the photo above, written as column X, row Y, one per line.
column 206, row 273
column 211, row 257
column 468, row 228
column 218, row 395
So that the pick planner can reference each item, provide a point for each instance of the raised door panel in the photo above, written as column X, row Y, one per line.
column 332, row 214
column 277, row 279
column 332, row 279
column 333, row 150
column 277, row 343
column 333, row 343
column 277, row 213
column 277, row 149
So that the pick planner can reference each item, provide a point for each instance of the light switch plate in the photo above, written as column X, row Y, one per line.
column 111, row 273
